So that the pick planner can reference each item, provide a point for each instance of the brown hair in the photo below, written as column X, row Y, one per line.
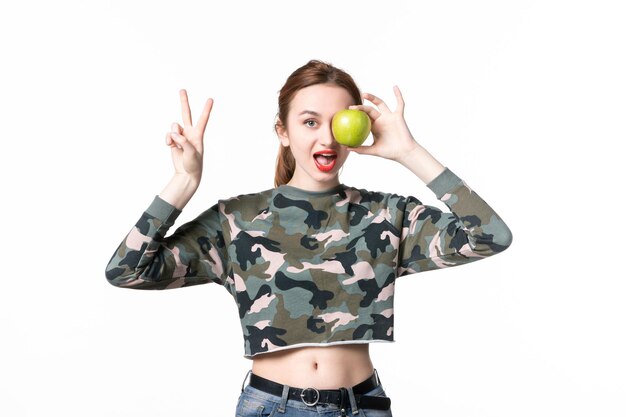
column 313, row 72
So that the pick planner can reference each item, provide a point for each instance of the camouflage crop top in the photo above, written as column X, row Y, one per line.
column 310, row 268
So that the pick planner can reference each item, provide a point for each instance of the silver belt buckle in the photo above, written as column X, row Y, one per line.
column 317, row 396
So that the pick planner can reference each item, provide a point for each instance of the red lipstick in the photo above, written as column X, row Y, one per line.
column 325, row 160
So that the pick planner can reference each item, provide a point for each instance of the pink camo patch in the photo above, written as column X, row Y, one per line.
column 263, row 216
column 386, row 292
column 332, row 236
column 393, row 239
column 263, row 302
column 413, row 215
column 334, row 267
column 135, row 239
column 382, row 216
column 434, row 252
column 234, row 230
column 216, row 265
column 180, row 269
column 342, row 318
column 262, row 324
column 362, row 270
column 352, row 196
column 275, row 259
column 269, row 345
column 240, row 285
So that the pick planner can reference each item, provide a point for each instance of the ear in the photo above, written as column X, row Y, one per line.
column 281, row 131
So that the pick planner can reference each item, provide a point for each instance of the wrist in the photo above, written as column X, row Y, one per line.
column 419, row 161
column 180, row 189
column 409, row 153
column 187, row 181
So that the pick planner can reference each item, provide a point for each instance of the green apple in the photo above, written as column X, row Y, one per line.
column 351, row 127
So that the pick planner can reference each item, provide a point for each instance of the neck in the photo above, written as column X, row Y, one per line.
column 309, row 184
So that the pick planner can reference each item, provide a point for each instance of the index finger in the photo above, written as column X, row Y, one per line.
column 184, row 103
column 369, row 110
column 377, row 101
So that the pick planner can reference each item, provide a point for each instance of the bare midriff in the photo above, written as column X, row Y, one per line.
column 329, row 367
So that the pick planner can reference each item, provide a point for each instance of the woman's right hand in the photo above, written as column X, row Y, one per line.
column 186, row 142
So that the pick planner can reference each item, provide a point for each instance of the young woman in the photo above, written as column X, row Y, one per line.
column 312, row 262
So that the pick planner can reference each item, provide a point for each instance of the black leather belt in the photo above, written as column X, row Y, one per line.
column 339, row 397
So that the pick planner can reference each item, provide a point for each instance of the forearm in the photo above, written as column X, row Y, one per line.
column 421, row 163
column 179, row 190
column 433, row 239
column 131, row 265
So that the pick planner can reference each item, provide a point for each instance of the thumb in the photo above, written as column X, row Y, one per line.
column 362, row 150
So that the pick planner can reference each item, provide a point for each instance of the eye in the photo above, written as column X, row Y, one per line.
column 310, row 123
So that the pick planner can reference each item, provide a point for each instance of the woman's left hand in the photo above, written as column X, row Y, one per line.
column 392, row 138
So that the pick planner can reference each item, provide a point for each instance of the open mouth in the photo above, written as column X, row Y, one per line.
column 325, row 160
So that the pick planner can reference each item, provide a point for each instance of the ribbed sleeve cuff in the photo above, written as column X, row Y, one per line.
column 444, row 182
column 163, row 210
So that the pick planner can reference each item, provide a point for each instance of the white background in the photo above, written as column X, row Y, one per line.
column 525, row 100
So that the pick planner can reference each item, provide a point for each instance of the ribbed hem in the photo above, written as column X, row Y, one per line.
column 163, row 210
column 319, row 344
column 444, row 182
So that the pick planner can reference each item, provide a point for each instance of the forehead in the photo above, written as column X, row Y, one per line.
column 321, row 98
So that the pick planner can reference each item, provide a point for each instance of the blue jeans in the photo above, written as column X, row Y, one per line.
column 256, row 403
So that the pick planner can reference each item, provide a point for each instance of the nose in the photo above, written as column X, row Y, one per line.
column 326, row 137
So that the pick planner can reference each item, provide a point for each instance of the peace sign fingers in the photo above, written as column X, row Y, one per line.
column 193, row 133
column 186, row 141
column 186, row 111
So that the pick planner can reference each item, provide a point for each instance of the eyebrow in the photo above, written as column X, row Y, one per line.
column 314, row 113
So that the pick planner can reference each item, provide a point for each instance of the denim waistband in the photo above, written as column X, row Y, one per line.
column 284, row 400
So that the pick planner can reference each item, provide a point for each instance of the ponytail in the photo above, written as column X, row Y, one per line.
column 285, row 166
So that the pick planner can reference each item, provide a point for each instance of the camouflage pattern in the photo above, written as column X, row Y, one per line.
column 310, row 268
